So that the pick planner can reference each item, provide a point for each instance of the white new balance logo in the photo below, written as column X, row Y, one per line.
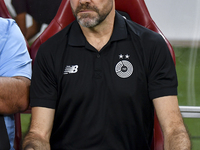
column 71, row 69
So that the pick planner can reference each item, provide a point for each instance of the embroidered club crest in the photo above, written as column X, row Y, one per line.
column 124, row 68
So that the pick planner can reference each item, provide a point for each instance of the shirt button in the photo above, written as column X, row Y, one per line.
column 98, row 55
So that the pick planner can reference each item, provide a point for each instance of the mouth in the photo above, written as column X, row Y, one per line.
column 83, row 9
column 86, row 11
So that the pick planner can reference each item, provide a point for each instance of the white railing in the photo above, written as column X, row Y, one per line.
column 190, row 111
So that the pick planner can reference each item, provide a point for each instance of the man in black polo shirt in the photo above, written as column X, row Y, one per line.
column 95, row 85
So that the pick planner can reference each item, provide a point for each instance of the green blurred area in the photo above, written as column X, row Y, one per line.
column 193, row 127
column 188, row 72
column 25, row 122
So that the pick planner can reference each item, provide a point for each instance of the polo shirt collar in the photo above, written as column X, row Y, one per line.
column 120, row 31
column 76, row 37
column 79, row 39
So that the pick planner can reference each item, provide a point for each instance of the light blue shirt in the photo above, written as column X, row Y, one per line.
column 14, row 61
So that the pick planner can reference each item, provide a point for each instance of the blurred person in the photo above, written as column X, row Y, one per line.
column 15, row 75
column 41, row 11
column 96, row 83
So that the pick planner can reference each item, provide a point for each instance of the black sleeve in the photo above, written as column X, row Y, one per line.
column 162, row 78
column 43, row 90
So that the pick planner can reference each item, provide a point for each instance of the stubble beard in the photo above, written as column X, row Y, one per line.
column 88, row 20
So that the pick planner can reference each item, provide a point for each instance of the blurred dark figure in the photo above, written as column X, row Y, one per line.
column 41, row 11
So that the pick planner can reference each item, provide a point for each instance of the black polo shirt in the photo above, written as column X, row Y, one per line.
column 103, row 100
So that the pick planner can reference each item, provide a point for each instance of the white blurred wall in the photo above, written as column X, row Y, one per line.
column 178, row 19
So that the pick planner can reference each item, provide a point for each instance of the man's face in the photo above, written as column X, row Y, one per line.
column 90, row 13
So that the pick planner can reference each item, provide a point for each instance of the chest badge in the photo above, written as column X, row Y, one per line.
column 124, row 68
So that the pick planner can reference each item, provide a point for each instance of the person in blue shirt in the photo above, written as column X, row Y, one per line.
column 15, row 74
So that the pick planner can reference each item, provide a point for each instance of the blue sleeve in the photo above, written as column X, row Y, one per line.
column 14, row 56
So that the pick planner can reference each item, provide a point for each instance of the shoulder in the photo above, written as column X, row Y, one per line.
column 151, row 45
column 143, row 33
column 54, row 45
column 10, row 33
column 56, row 40
column 60, row 35
column 6, row 25
column 147, row 39
column 9, row 28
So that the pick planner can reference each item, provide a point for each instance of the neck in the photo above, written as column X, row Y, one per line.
column 100, row 34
